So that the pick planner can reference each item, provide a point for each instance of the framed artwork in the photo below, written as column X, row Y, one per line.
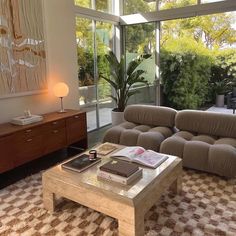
column 22, row 48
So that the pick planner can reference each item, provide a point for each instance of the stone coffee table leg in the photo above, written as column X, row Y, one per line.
column 133, row 224
column 48, row 195
column 48, row 200
column 176, row 187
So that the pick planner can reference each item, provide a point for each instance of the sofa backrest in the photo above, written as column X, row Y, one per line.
column 150, row 115
column 203, row 122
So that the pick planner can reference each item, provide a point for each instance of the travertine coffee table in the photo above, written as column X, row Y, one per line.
column 128, row 204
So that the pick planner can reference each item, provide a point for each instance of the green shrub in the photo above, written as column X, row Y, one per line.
column 223, row 72
column 185, row 79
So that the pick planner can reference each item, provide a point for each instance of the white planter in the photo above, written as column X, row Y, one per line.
column 220, row 100
column 117, row 117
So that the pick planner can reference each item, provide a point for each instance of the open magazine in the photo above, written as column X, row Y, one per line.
column 139, row 155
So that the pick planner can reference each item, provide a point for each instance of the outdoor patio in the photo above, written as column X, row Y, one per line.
column 220, row 110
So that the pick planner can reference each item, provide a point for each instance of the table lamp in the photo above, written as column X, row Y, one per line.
column 61, row 90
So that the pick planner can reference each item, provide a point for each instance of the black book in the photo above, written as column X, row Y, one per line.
column 121, row 168
column 80, row 163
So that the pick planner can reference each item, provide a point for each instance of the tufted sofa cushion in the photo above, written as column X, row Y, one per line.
column 145, row 126
column 150, row 115
column 217, row 124
column 206, row 141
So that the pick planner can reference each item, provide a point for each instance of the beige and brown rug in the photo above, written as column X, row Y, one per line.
column 207, row 206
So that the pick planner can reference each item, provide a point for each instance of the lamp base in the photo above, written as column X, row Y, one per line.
column 62, row 111
column 62, row 108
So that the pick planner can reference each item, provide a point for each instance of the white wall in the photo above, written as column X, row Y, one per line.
column 61, row 64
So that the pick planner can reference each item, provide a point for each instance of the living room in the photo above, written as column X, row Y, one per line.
column 72, row 40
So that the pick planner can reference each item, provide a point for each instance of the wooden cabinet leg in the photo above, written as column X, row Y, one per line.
column 49, row 200
column 132, row 227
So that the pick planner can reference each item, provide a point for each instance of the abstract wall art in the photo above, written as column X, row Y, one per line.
column 22, row 48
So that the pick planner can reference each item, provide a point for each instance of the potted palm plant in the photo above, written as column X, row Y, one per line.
column 122, row 79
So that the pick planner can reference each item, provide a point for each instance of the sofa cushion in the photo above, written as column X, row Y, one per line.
column 150, row 115
column 222, row 160
column 203, row 152
column 229, row 141
column 210, row 123
column 150, row 140
column 145, row 126
column 173, row 146
column 205, row 141
column 130, row 134
column 184, row 134
column 204, row 138
column 195, row 155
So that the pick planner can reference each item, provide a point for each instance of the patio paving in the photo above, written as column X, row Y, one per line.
column 105, row 118
column 220, row 110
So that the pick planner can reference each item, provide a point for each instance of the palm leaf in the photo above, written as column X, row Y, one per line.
column 114, row 98
column 136, row 62
column 112, row 83
column 135, row 75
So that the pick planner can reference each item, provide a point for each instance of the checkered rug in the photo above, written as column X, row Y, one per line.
column 206, row 206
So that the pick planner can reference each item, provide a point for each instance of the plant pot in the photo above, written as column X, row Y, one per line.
column 220, row 100
column 117, row 117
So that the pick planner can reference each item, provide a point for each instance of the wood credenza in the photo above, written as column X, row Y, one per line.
column 21, row 144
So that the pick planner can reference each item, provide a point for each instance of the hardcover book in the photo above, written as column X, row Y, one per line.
column 120, row 168
column 80, row 163
column 106, row 148
column 141, row 156
column 103, row 175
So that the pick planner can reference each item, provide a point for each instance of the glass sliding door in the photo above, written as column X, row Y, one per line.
column 94, row 40
column 137, row 44
column 104, row 43
column 86, row 69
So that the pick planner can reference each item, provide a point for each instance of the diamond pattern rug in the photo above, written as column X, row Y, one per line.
column 206, row 206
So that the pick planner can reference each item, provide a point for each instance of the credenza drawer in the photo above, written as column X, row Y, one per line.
column 29, row 133
column 55, row 124
column 76, row 127
column 28, row 149
column 55, row 139
column 6, row 151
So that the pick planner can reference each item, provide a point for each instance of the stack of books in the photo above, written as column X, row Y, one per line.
column 120, row 172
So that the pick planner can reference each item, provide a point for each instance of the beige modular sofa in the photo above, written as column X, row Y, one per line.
column 205, row 141
column 145, row 126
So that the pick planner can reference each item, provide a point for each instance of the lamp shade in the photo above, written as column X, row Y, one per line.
column 61, row 90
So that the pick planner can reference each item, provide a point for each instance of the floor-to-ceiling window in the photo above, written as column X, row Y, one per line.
column 139, row 40
column 104, row 43
column 140, row 35
column 99, row 5
column 94, row 40
column 138, row 6
column 198, row 59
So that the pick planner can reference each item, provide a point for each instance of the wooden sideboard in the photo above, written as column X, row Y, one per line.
column 21, row 144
